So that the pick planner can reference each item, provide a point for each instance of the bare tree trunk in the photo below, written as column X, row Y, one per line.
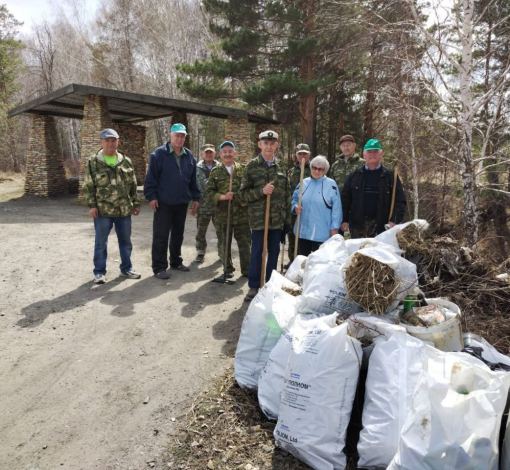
column 414, row 166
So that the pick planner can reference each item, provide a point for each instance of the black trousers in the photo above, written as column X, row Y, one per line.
column 305, row 247
column 169, row 221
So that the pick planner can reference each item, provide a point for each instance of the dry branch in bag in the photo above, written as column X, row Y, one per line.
column 410, row 241
column 371, row 284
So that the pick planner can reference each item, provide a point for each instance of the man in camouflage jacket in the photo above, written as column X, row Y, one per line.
column 109, row 189
column 206, row 208
column 347, row 162
column 263, row 176
column 218, row 191
column 302, row 152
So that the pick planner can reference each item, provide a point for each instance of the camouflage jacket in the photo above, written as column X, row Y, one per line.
column 295, row 175
column 340, row 170
column 207, row 205
column 256, row 175
column 219, row 183
column 112, row 190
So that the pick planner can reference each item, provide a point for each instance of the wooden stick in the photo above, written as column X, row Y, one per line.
column 394, row 191
column 225, row 253
column 301, row 176
column 264, row 249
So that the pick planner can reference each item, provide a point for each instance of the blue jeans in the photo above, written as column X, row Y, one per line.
column 273, row 251
column 103, row 227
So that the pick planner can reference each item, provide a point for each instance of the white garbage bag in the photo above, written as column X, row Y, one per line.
column 296, row 270
column 390, row 235
column 324, row 280
column 269, row 313
column 354, row 244
column 455, row 415
column 393, row 371
column 505, row 451
column 271, row 379
column 320, row 385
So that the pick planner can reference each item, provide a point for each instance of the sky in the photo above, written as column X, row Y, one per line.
column 32, row 12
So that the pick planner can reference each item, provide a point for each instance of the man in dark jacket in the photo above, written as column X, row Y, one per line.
column 170, row 185
column 366, row 196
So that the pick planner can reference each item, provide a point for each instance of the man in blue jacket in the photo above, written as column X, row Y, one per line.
column 170, row 185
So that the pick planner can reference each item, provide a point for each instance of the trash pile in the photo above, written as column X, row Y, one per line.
column 354, row 311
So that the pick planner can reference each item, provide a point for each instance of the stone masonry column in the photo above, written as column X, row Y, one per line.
column 133, row 144
column 45, row 174
column 95, row 118
column 182, row 118
column 238, row 130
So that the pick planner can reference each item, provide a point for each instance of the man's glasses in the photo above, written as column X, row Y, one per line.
column 315, row 168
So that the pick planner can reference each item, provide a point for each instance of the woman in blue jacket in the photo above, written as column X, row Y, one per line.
column 321, row 209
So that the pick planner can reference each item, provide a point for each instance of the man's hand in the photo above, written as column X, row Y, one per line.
column 94, row 213
column 194, row 208
column 136, row 210
column 344, row 227
column 392, row 224
column 268, row 188
column 227, row 196
column 154, row 205
column 298, row 209
column 333, row 232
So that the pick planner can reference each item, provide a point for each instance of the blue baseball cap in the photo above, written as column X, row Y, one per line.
column 107, row 133
column 227, row 142
column 179, row 128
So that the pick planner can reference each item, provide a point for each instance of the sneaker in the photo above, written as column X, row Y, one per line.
column 199, row 259
column 229, row 275
column 99, row 279
column 251, row 294
column 181, row 267
column 131, row 274
column 162, row 275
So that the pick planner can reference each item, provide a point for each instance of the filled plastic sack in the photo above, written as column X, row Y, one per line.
column 354, row 244
column 395, row 365
column 324, row 280
column 271, row 379
column 390, row 236
column 320, row 385
column 455, row 415
column 296, row 270
column 268, row 315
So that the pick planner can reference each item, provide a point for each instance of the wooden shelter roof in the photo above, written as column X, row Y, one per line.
column 125, row 107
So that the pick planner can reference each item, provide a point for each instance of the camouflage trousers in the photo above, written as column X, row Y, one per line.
column 292, row 238
column 369, row 229
column 202, row 225
column 242, row 234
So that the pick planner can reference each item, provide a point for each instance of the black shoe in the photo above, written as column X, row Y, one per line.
column 199, row 259
column 229, row 275
column 287, row 266
column 251, row 294
column 181, row 267
column 162, row 275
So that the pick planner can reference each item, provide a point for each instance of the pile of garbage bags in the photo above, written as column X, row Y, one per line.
column 429, row 403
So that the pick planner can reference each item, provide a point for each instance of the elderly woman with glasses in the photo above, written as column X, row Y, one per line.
column 321, row 208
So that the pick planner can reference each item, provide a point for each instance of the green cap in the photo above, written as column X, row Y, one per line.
column 179, row 128
column 372, row 144
column 302, row 148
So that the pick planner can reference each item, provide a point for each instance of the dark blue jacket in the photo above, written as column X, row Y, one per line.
column 166, row 183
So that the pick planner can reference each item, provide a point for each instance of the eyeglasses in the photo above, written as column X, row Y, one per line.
column 315, row 168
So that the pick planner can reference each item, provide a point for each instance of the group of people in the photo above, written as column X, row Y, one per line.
column 258, row 204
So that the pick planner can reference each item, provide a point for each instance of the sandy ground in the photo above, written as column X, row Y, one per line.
column 78, row 361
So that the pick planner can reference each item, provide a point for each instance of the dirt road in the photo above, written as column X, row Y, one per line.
column 79, row 361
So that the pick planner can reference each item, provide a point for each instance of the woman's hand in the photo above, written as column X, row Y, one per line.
column 333, row 232
column 298, row 209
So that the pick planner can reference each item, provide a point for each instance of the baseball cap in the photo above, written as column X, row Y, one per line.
column 347, row 138
column 227, row 142
column 268, row 135
column 179, row 128
column 372, row 144
column 106, row 133
column 207, row 147
column 302, row 148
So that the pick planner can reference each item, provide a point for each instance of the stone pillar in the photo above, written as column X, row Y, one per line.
column 179, row 117
column 133, row 144
column 95, row 118
column 238, row 130
column 45, row 174
column 268, row 127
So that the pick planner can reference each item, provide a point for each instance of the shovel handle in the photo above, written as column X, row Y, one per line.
column 264, row 246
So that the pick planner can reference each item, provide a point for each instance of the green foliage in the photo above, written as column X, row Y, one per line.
column 10, row 61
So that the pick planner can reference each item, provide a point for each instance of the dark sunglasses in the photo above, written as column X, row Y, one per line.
column 317, row 169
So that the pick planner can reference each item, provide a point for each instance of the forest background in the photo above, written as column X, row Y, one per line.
column 430, row 81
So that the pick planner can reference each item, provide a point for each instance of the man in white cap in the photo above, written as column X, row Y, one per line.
column 263, row 176
column 170, row 185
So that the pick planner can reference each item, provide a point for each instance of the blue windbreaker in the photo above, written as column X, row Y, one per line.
column 322, row 209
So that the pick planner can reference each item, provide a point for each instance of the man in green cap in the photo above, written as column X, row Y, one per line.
column 366, row 196
column 206, row 208
column 218, row 191
column 346, row 162
column 302, row 153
